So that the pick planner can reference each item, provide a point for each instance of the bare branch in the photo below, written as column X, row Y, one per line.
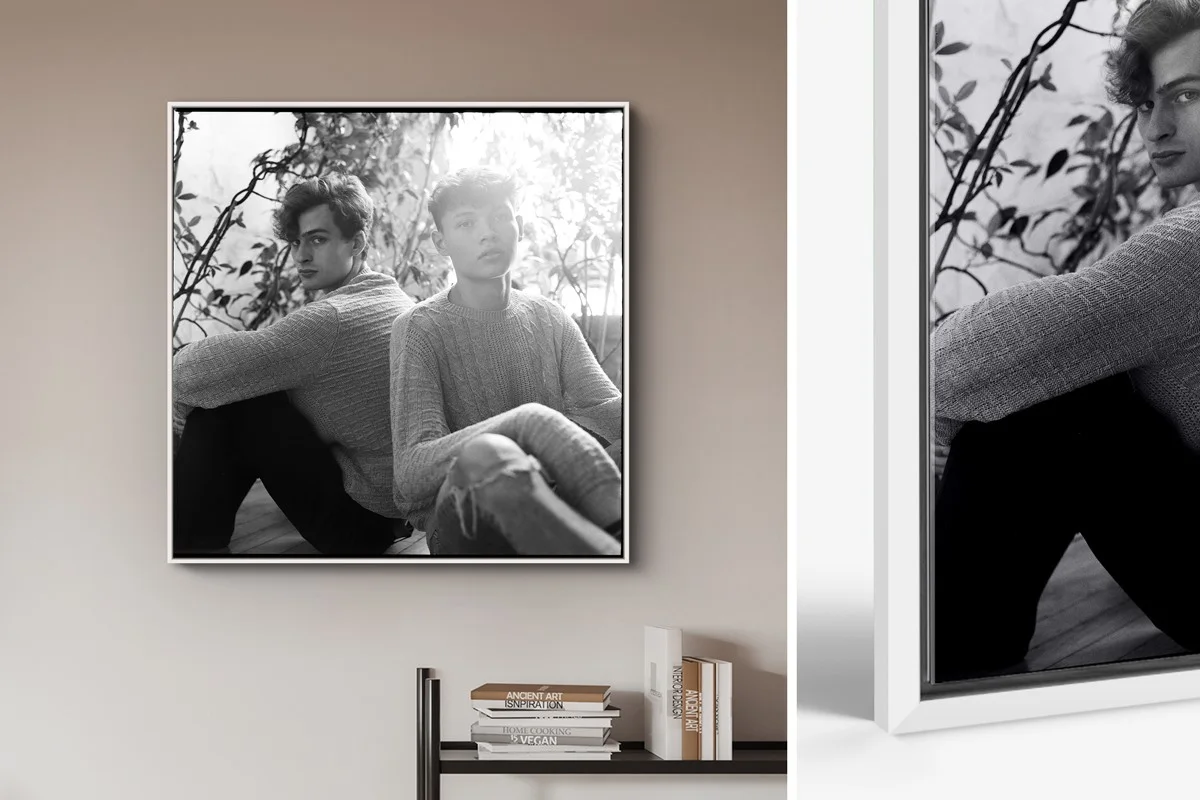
column 962, row 271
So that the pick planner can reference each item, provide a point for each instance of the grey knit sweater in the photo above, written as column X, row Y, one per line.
column 331, row 356
column 1136, row 310
column 456, row 371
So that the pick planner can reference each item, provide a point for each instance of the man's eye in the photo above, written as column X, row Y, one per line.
column 466, row 223
column 1186, row 96
column 1146, row 107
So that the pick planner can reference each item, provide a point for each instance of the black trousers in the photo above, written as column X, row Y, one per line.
column 1098, row 461
column 223, row 450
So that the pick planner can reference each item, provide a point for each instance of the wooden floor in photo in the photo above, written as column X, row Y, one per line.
column 1084, row 618
column 262, row 529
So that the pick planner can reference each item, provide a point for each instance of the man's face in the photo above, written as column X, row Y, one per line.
column 1169, row 122
column 480, row 239
column 323, row 256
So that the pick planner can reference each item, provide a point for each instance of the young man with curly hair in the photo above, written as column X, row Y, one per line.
column 1086, row 388
column 302, row 404
column 494, row 392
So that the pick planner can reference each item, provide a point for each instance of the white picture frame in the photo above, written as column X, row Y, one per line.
column 621, row 107
column 900, row 704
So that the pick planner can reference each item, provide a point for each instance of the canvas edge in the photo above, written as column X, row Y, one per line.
column 626, row 557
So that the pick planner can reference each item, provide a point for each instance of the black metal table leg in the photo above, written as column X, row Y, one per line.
column 423, row 675
column 433, row 739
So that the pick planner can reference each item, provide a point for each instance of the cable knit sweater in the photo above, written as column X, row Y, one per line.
column 331, row 356
column 1136, row 310
column 457, row 370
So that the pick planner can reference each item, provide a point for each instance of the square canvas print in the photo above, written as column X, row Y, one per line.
column 1062, row 277
column 398, row 333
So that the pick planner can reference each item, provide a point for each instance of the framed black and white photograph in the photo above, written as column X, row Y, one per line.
column 398, row 332
column 1040, row 323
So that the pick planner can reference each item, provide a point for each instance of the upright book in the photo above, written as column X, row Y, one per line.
column 691, row 709
column 708, row 705
column 663, row 692
column 724, row 709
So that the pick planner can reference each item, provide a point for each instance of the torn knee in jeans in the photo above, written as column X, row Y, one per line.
column 482, row 462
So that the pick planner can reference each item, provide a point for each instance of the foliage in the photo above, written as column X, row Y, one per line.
column 384, row 150
column 568, row 163
column 1111, row 193
column 573, row 212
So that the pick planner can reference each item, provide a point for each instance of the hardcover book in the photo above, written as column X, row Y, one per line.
column 543, row 693
column 541, row 729
column 724, row 709
column 663, row 692
column 551, row 739
column 691, row 709
column 545, row 713
column 708, row 721
column 487, row 755
column 611, row 746
column 536, row 705
column 488, row 724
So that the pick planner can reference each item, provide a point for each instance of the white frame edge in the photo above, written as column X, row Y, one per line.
column 899, row 707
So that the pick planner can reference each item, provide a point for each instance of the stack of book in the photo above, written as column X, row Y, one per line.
column 688, row 701
column 529, row 721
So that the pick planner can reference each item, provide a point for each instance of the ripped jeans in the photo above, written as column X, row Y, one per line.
column 498, row 501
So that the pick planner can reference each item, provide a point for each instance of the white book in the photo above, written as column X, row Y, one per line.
column 545, row 714
column 485, row 755
column 708, row 705
column 663, row 692
column 724, row 709
column 596, row 724
column 611, row 746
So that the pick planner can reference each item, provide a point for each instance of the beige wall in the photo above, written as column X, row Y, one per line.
column 124, row 677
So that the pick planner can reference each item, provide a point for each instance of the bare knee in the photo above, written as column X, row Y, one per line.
column 482, row 455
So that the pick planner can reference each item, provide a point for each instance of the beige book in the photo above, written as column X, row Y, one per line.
column 691, row 709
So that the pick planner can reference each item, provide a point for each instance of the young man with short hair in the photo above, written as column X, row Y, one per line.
column 302, row 404
column 1086, row 386
column 492, row 389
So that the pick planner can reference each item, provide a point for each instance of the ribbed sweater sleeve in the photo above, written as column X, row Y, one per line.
column 592, row 399
column 1043, row 338
column 229, row 367
column 419, row 428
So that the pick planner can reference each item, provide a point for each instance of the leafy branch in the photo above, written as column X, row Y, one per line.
column 1105, row 205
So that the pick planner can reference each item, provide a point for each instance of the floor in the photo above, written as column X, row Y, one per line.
column 262, row 529
column 1085, row 618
